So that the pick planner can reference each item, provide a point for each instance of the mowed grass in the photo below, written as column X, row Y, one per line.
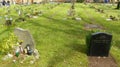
column 61, row 43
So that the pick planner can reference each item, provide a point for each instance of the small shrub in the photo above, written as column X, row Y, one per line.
column 6, row 44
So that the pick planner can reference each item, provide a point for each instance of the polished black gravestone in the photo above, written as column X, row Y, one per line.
column 99, row 44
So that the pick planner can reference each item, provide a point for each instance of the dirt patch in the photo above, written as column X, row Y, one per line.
column 93, row 26
column 102, row 62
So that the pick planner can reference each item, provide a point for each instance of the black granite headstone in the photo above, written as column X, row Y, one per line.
column 99, row 44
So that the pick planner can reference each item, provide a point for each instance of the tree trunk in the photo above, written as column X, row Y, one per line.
column 32, row 1
column 118, row 5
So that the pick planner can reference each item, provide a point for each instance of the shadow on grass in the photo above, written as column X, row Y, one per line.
column 72, row 31
column 78, row 47
column 65, row 53
column 58, row 57
column 61, row 55
column 66, row 22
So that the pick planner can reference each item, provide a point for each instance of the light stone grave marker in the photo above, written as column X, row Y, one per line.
column 26, row 37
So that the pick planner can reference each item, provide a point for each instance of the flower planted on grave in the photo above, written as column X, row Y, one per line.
column 35, row 12
column 114, row 18
column 8, row 21
column 28, row 15
column 40, row 12
column 20, row 19
column 100, row 10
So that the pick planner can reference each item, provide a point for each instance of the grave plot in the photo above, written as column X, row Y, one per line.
column 113, row 18
column 102, row 62
column 93, row 26
column 24, row 47
column 99, row 45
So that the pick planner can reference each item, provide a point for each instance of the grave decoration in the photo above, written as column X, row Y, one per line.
column 8, row 21
column 26, row 37
column 27, row 42
column 113, row 18
column 24, row 47
column 21, row 17
column 35, row 12
column 28, row 15
column 100, row 10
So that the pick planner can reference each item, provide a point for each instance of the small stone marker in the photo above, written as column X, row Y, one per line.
column 26, row 37
column 99, row 44
column 19, row 13
column 78, row 19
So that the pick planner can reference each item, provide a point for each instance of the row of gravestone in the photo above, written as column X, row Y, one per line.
column 21, row 13
column 98, row 44
column 110, row 17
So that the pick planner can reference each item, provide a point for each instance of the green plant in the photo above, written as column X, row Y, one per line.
column 8, row 43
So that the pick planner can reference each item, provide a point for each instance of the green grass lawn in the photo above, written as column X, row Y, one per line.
column 61, row 43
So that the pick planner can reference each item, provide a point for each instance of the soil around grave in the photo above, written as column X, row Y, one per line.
column 102, row 62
